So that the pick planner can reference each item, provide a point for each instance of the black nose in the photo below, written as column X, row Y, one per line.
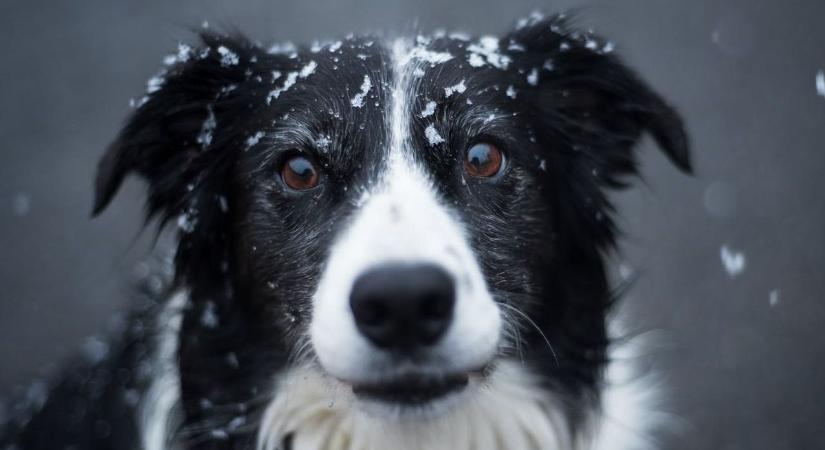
column 402, row 307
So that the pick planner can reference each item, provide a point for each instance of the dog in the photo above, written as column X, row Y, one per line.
column 382, row 244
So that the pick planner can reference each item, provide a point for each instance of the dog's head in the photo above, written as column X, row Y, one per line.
column 401, row 216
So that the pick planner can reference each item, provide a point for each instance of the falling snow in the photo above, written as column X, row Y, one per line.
column 21, row 204
column 511, row 91
column 734, row 262
column 432, row 135
column 358, row 100
column 429, row 109
column 773, row 297
column 820, row 83
column 94, row 350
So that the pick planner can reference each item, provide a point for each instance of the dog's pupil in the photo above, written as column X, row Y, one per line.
column 299, row 173
column 483, row 160
column 480, row 155
column 301, row 167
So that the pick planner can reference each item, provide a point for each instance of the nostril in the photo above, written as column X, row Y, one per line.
column 371, row 312
column 435, row 306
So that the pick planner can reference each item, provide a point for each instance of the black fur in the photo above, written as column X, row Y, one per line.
column 250, row 251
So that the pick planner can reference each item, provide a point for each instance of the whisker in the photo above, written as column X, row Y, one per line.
column 536, row 327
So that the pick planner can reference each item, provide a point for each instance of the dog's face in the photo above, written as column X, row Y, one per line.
column 400, row 217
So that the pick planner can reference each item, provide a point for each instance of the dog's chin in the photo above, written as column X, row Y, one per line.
column 413, row 395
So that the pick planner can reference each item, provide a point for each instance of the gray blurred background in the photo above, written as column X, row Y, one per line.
column 743, row 351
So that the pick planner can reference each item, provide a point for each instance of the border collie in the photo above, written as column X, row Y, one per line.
column 381, row 245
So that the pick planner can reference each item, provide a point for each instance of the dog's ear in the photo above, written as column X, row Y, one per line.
column 171, row 131
column 584, row 95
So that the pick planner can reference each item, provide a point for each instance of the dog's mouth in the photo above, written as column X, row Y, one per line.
column 412, row 389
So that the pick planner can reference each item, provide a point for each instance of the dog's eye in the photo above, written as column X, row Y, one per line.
column 299, row 173
column 483, row 160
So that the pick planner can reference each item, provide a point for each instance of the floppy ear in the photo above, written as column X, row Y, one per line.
column 587, row 97
column 587, row 112
column 167, row 139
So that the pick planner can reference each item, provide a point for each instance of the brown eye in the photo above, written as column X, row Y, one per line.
column 299, row 173
column 483, row 160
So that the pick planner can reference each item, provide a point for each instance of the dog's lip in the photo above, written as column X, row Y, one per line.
column 413, row 388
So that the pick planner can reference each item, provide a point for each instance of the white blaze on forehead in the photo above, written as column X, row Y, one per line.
column 402, row 221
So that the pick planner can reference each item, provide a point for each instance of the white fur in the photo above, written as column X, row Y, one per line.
column 401, row 220
column 631, row 405
column 507, row 411
column 158, row 407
